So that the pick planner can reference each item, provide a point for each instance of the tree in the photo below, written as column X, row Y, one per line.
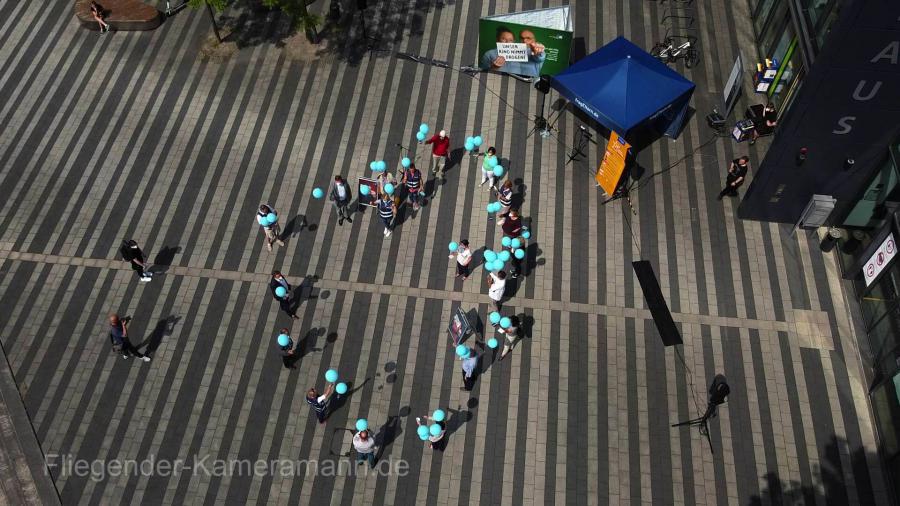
column 300, row 16
column 218, row 5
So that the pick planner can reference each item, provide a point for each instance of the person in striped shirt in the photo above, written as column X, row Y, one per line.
column 504, row 195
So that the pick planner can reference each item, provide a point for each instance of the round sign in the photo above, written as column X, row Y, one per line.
column 880, row 258
column 889, row 247
column 870, row 270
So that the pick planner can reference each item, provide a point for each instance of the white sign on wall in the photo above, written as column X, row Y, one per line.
column 880, row 259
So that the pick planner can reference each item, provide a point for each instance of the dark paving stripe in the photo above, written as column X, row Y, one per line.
column 795, row 270
column 799, row 436
column 739, row 414
column 657, row 377
column 773, row 494
column 550, row 462
column 468, row 458
column 522, row 352
column 17, row 286
column 710, row 369
column 13, row 11
column 578, row 419
column 560, row 201
column 685, row 384
column 772, row 271
column 633, row 429
column 826, row 441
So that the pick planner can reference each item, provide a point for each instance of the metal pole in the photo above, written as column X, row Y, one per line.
column 212, row 19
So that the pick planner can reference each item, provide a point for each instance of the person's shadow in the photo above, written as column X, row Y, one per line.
column 164, row 259
column 339, row 400
column 387, row 434
column 458, row 418
column 163, row 328
column 294, row 226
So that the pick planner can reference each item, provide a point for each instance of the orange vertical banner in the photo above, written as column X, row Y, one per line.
column 613, row 163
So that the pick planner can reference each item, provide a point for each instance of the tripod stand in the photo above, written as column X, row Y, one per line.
column 582, row 139
column 701, row 424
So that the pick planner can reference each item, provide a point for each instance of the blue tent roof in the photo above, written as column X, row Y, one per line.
column 621, row 86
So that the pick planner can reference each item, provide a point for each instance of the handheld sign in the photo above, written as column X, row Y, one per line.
column 513, row 51
column 369, row 198
column 459, row 326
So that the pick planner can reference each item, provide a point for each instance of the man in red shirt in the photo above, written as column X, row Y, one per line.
column 440, row 150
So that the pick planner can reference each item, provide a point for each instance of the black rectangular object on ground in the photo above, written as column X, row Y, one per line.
column 656, row 303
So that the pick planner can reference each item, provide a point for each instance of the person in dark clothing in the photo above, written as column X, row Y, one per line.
column 736, row 174
column 286, row 301
column 118, row 336
column 512, row 225
column 99, row 15
column 766, row 124
column 133, row 254
column 412, row 178
column 387, row 209
column 341, row 196
column 286, row 348
column 319, row 403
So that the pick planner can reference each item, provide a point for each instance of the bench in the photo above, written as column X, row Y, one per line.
column 122, row 15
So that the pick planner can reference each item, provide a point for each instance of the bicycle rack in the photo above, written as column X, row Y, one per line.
column 673, row 11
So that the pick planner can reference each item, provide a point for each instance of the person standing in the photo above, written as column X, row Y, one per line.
column 440, row 150
column 118, row 335
column 319, row 403
column 286, row 300
column 365, row 448
column 469, row 365
column 512, row 224
column 487, row 172
column 735, row 178
column 341, row 196
column 286, row 349
column 387, row 209
column 438, row 442
column 504, row 196
column 463, row 256
column 272, row 231
column 512, row 335
column 133, row 255
column 412, row 178
column 496, row 287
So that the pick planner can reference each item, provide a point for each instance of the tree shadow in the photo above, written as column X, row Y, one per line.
column 251, row 24
column 163, row 259
column 164, row 327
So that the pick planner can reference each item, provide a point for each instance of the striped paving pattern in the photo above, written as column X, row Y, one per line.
column 132, row 135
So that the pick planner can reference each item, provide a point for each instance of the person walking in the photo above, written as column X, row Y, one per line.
column 512, row 224
column 434, row 442
column 341, row 196
column 286, row 300
column 118, row 336
column 440, row 150
column 387, row 209
column 412, row 178
column 735, row 178
column 512, row 335
column 99, row 15
column 463, row 256
column 496, row 287
column 469, row 365
column 132, row 254
column 286, row 348
column 487, row 172
column 365, row 448
column 319, row 403
column 504, row 196
column 271, row 230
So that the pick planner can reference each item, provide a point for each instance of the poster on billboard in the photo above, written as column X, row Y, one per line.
column 530, row 43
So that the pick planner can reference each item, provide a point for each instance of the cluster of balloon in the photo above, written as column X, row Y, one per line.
column 318, row 193
column 494, row 261
column 434, row 429
column 331, row 376
column 494, row 207
column 423, row 131
column 473, row 143
column 378, row 166
column 493, row 162
column 267, row 220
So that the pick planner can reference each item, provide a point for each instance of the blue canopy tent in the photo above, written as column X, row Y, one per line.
column 624, row 88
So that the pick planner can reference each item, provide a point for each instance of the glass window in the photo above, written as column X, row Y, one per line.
column 882, row 296
column 768, row 26
column 886, row 404
column 884, row 342
column 763, row 9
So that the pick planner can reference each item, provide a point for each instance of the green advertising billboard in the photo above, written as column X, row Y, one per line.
column 529, row 43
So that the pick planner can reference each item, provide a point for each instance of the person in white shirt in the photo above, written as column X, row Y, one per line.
column 497, row 282
column 365, row 448
column 463, row 258
column 435, row 442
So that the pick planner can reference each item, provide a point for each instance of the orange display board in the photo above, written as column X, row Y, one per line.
column 613, row 164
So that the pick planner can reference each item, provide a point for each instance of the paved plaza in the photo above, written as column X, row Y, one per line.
column 133, row 135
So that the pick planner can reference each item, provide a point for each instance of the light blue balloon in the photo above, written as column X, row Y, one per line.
column 405, row 162
column 470, row 140
column 490, row 256
column 318, row 193
column 389, row 189
column 503, row 255
column 453, row 246
column 331, row 375
column 373, row 166
column 498, row 171
column 489, row 266
column 362, row 424
column 341, row 388
column 284, row 340
column 462, row 350
column 520, row 254
column 271, row 218
column 492, row 343
column 434, row 430
column 505, row 241
column 495, row 317
column 497, row 207
column 505, row 322
column 492, row 162
column 515, row 244
column 490, row 208
column 469, row 146
column 498, row 265
column 364, row 189
column 382, row 165
column 477, row 140
column 280, row 291
column 422, row 431
column 439, row 415
column 526, row 234
column 424, row 128
column 420, row 136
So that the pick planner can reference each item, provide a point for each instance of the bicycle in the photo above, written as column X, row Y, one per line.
column 671, row 50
